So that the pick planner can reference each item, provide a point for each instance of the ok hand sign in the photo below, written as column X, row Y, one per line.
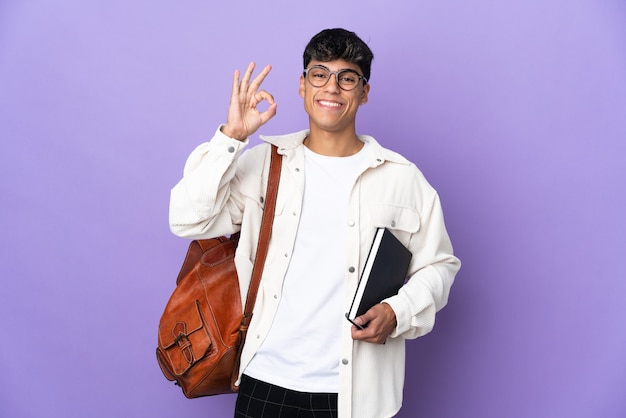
column 243, row 116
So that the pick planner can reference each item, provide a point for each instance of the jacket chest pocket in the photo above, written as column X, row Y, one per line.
column 402, row 220
column 253, row 191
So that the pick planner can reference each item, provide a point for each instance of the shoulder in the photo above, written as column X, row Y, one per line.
column 262, row 150
column 394, row 169
column 389, row 159
column 288, row 141
column 383, row 153
column 256, row 158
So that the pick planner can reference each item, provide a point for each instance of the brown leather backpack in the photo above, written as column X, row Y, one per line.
column 203, row 329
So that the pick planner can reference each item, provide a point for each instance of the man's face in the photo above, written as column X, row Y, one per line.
column 330, row 108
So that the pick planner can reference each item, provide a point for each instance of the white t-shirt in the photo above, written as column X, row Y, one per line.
column 301, row 351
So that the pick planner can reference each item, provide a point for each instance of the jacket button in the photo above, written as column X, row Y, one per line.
column 351, row 269
column 351, row 223
column 231, row 149
column 393, row 224
column 344, row 361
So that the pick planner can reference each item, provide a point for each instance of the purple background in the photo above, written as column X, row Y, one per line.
column 515, row 111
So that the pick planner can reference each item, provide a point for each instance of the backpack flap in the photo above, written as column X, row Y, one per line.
column 184, row 339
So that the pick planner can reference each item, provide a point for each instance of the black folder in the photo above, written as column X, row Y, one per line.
column 384, row 273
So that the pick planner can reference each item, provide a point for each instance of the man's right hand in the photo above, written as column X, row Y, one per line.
column 243, row 116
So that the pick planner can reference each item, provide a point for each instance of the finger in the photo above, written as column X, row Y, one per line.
column 243, row 88
column 256, row 83
column 264, row 95
column 370, row 335
column 236, row 76
column 364, row 319
column 270, row 112
column 257, row 98
column 367, row 334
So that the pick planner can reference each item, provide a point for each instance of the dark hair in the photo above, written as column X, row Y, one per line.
column 334, row 44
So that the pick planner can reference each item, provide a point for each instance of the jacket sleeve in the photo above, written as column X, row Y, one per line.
column 204, row 203
column 431, row 274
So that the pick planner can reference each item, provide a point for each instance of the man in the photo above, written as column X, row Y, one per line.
column 302, row 357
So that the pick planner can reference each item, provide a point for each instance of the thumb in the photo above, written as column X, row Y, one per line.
column 269, row 113
column 363, row 319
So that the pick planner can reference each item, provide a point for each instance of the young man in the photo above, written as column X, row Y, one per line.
column 302, row 357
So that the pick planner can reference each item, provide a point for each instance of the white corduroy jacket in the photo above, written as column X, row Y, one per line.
column 222, row 192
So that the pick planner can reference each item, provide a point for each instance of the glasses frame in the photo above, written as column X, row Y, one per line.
column 305, row 73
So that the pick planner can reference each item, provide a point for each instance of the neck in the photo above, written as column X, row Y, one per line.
column 333, row 144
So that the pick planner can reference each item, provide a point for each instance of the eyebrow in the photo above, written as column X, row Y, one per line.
column 340, row 70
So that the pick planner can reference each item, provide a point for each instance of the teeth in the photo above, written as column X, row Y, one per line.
column 331, row 104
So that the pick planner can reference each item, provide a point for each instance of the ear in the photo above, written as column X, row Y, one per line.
column 365, row 93
column 301, row 89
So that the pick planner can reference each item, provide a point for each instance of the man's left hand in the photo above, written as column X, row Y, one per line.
column 378, row 322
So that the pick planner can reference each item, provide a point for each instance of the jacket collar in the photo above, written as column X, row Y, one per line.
column 378, row 154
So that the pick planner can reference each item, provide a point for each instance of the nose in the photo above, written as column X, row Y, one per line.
column 333, row 83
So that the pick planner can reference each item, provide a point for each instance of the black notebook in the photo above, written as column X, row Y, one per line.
column 383, row 275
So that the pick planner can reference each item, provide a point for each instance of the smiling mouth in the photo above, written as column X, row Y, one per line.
column 329, row 104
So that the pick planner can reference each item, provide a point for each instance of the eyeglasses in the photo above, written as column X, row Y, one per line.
column 318, row 76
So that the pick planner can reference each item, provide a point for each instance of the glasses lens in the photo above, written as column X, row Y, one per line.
column 348, row 79
column 318, row 76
